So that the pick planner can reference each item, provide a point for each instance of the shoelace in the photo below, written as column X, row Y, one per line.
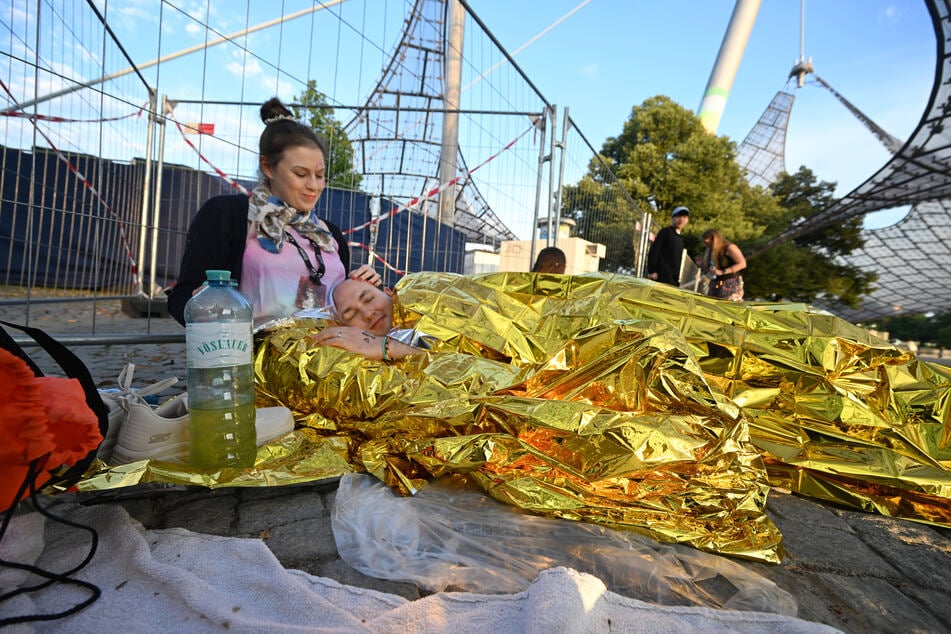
column 128, row 395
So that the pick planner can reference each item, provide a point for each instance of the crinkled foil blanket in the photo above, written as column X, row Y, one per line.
column 613, row 400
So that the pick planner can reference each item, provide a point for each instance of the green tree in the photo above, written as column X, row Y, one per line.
column 933, row 329
column 810, row 267
column 317, row 112
column 664, row 157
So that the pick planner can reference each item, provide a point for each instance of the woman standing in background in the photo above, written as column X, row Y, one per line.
column 723, row 261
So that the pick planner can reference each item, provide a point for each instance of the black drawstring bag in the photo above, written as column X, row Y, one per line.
column 74, row 368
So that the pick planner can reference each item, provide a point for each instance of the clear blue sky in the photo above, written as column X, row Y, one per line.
column 610, row 55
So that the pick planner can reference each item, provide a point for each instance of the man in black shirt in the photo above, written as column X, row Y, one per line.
column 666, row 252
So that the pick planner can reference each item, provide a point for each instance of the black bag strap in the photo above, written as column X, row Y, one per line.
column 74, row 368
column 8, row 344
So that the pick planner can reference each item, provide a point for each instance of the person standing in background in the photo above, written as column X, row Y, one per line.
column 666, row 251
column 550, row 260
column 723, row 261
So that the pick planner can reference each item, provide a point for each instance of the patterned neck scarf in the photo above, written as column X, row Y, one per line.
column 270, row 216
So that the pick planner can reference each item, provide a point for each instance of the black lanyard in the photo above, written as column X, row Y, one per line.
column 316, row 274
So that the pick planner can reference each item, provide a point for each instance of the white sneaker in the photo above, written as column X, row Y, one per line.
column 271, row 423
column 158, row 434
column 120, row 400
column 162, row 433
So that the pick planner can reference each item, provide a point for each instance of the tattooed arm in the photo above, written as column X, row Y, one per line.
column 364, row 342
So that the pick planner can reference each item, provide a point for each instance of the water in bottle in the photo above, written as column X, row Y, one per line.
column 220, row 376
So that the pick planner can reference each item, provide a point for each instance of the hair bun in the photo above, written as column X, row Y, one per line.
column 273, row 109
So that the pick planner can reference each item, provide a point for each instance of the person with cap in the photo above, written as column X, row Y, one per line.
column 666, row 252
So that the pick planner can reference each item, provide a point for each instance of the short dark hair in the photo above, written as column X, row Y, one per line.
column 548, row 257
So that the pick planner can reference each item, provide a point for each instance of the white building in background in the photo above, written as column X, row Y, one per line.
column 480, row 259
column 516, row 255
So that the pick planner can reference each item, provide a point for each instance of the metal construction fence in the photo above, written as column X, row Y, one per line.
column 104, row 161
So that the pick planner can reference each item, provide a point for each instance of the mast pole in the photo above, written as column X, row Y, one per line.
column 728, row 61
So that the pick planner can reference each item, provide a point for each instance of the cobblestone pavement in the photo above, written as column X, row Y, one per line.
column 856, row 571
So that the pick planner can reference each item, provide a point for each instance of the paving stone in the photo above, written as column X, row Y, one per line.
column 257, row 515
column 297, row 542
column 812, row 598
column 212, row 515
column 871, row 605
column 818, row 539
column 339, row 571
column 922, row 555
column 934, row 602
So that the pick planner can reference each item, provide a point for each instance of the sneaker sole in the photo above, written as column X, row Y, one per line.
column 270, row 423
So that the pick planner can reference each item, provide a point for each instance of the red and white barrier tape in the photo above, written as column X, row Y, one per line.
column 377, row 257
column 54, row 119
column 235, row 184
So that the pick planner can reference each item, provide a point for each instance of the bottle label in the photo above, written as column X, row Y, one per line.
column 218, row 344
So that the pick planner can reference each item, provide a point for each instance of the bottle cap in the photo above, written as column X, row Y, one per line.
column 215, row 275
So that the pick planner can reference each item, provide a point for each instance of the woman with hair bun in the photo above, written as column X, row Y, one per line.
column 281, row 253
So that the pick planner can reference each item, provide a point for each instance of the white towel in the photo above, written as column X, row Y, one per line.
column 176, row 580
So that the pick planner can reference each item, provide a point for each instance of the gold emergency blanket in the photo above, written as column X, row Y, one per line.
column 614, row 400
column 609, row 399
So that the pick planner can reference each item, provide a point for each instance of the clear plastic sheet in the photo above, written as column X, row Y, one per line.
column 450, row 538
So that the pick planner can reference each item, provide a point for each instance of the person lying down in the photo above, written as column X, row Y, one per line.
column 364, row 314
column 605, row 398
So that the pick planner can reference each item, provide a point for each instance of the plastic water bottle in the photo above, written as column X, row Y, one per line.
column 220, row 376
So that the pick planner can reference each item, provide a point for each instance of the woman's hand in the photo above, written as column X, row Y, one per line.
column 366, row 273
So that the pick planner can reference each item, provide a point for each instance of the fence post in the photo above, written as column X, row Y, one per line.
column 167, row 107
column 563, row 144
column 542, row 125
column 146, row 186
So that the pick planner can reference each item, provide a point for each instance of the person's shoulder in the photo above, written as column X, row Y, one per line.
column 330, row 225
column 233, row 206
column 335, row 231
column 227, row 201
column 219, row 212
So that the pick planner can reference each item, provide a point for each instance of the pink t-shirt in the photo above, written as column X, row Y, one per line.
column 273, row 281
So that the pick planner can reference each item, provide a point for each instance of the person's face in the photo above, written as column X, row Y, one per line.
column 679, row 222
column 299, row 177
column 708, row 241
column 363, row 305
column 552, row 266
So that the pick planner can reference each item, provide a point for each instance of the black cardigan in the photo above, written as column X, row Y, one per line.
column 216, row 240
